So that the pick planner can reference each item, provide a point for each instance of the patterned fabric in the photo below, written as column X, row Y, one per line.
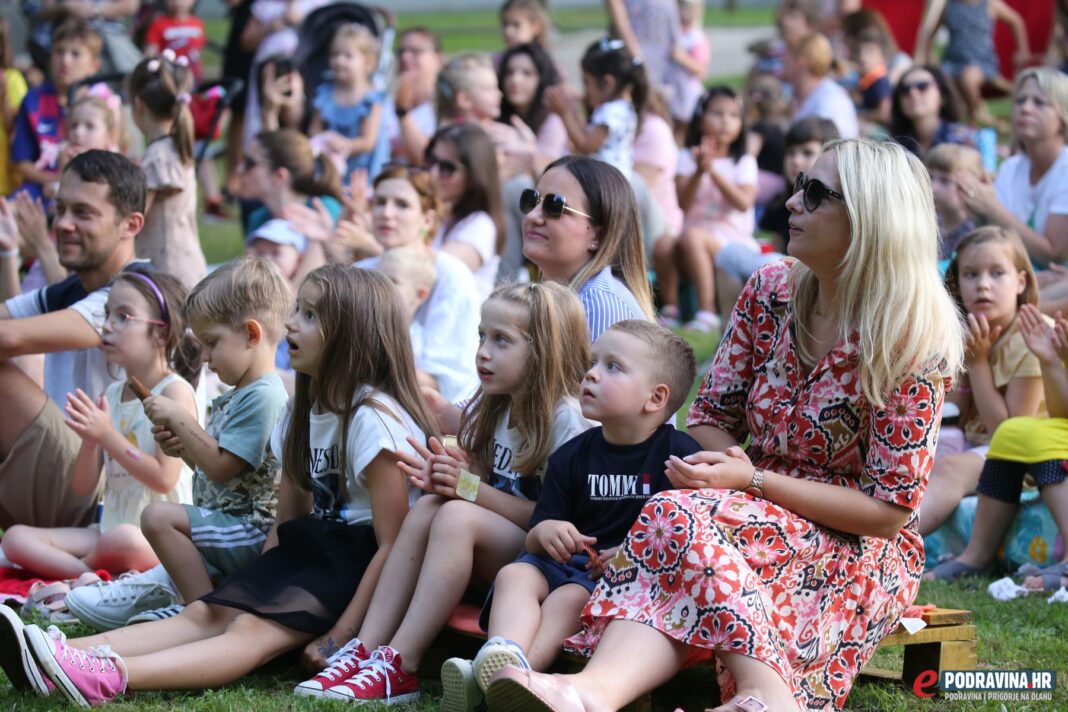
column 971, row 38
column 721, row 570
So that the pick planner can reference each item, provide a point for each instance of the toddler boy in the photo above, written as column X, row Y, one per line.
column 413, row 271
column 595, row 487
column 238, row 313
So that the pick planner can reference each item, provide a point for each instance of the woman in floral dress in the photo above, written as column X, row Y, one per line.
column 789, row 561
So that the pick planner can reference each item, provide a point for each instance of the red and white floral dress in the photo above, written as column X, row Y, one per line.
column 722, row 570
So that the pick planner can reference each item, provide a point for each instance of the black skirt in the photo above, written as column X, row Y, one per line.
column 308, row 580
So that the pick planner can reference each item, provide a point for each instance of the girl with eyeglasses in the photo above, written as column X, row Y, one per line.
column 145, row 334
column 463, row 165
column 924, row 111
column 717, row 185
column 788, row 562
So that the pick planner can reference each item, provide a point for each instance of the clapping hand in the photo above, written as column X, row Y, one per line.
column 9, row 229
column 557, row 100
column 1041, row 338
column 89, row 420
column 979, row 338
column 436, row 469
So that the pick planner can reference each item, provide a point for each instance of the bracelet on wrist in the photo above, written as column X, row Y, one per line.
column 10, row 253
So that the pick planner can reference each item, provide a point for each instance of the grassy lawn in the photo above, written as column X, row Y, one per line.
column 1027, row 633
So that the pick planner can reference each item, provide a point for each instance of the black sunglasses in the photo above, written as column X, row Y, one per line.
column 813, row 192
column 445, row 167
column 921, row 86
column 552, row 205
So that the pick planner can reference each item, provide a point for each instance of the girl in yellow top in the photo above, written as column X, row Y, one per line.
column 1020, row 446
column 12, row 91
column 991, row 277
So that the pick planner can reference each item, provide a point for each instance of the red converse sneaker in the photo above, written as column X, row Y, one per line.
column 381, row 679
column 339, row 667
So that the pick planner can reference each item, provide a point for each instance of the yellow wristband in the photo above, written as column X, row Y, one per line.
column 467, row 486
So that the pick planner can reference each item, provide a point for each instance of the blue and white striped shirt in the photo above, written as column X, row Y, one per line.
column 607, row 300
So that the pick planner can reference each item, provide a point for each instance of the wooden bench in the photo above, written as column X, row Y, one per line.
column 947, row 643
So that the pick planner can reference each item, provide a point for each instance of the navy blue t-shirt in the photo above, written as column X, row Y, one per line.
column 601, row 488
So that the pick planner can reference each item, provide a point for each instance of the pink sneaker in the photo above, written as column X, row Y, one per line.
column 85, row 677
column 339, row 667
column 381, row 679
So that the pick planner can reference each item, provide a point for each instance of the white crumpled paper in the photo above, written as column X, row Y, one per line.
column 1060, row 597
column 913, row 625
column 1006, row 589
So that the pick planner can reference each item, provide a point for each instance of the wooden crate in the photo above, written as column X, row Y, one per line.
column 947, row 643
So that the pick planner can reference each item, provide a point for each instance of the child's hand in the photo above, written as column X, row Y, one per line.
column 337, row 143
column 710, row 470
column 705, row 153
column 596, row 566
column 979, row 338
column 435, row 470
column 1038, row 335
column 161, row 410
column 1060, row 332
column 561, row 540
column 31, row 220
column 91, row 421
column 168, row 442
column 9, row 229
column 556, row 99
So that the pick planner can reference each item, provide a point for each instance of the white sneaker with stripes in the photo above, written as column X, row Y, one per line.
column 157, row 614
column 107, row 605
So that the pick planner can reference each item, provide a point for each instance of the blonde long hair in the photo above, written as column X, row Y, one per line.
column 889, row 290
column 558, row 358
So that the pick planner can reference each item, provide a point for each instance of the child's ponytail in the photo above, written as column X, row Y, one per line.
column 163, row 84
column 609, row 57
column 640, row 90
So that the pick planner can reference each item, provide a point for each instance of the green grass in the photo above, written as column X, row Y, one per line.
column 1027, row 633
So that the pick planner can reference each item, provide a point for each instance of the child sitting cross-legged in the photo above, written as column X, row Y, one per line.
column 595, row 487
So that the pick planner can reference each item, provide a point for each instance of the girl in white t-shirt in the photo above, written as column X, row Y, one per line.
column 463, row 163
column 616, row 89
column 341, row 503
column 533, row 353
column 717, row 186
column 145, row 334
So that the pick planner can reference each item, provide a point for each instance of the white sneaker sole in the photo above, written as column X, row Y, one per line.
column 331, row 694
column 42, row 652
column 460, row 691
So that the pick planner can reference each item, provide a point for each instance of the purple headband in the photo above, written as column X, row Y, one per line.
column 155, row 290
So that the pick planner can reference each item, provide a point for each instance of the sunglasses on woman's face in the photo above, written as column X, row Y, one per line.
column 813, row 192
column 445, row 167
column 921, row 86
column 552, row 205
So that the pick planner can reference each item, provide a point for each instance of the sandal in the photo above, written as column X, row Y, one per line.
column 50, row 601
column 1053, row 577
column 952, row 569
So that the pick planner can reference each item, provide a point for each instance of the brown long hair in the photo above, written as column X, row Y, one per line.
column 558, row 357
column 482, row 192
column 614, row 209
column 311, row 175
column 365, row 344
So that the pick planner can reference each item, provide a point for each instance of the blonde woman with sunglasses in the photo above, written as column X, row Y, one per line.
column 787, row 562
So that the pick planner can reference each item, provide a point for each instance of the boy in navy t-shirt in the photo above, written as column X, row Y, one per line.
column 595, row 487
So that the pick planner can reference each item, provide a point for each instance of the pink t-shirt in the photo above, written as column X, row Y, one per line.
column 710, row 211
column 552, row 137
column 655, row 146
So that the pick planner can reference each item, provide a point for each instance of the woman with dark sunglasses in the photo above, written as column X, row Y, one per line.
column 924, row 111
column 790, row 560
column 463, row 165
column 581, row 227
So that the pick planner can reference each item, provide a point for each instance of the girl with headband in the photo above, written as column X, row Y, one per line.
column 145, row 334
